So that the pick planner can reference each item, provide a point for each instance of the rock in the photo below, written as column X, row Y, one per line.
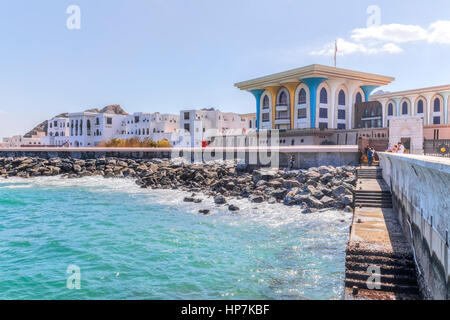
column 266, row 175
column 288, row 184
column 203, row 211
column 345, row 199
column 232, row 207
column 279, row 193
column 326, row 178
column 348, row 209
column 306, row 211
column 188, row 199
column 197, row 200
column 328, row 201
column 220, row 200
column 256, row 198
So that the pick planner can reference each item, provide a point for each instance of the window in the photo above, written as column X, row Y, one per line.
column 358, row 97
column 266, row 102
column 282, row 100
column 323, row 125
column 136, row 119
column 186, row 127
column 323, row 96
column 265, row 117
column 366, row 112
column 108, row 120
column 341, row 98
column 341, row 114
column 379, row 111
column 302, row 96
column 436, row 120
column 97, row 121
column 404, row 108
column 341, row 126
column 301, row 113
column 390, row 109
column 186, row 116
column 323, row 113
column 437, row 105
column 420, row 106
column 282, row 115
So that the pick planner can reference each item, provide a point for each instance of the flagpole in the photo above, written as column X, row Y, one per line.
column 335, row 52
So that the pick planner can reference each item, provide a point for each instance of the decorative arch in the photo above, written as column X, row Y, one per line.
column 266, row 96
column 405, row 107
column 302, row 122
column 341, row 107
column 437, row 109
column 283, row 97
column 420, row 108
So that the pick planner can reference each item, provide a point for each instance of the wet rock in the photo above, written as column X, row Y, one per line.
column 256, row 198
column 203, row 211
column 232, row 207
column 220, row 200
column 188, row 199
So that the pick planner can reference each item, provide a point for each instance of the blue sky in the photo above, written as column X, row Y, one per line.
column 167, row 55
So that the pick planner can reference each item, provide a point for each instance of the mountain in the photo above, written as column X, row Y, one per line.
column 111, row 109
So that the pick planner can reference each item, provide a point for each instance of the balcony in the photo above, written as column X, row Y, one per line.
column 281, row 107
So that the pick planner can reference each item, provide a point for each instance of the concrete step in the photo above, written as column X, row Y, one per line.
column 384, row 269
column 374, row 253
column 373, row 197
column 388, row 287
column 374, row 205
column 384, row 279
column 381, row 260
column 374, row 201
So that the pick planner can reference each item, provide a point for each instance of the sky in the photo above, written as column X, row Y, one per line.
column 168, row 55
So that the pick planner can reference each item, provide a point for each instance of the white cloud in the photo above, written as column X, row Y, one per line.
column 397, row 33
column 347, row 47
column 387, row 38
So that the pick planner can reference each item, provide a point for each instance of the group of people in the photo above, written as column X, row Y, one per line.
column 370, row 153
column 398, row 148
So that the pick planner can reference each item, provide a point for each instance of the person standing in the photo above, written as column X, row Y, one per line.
column 401, row 148
column 370, row 154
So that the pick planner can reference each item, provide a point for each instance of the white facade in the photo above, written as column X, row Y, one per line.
column 205, row 123
column 57, row 132
column 431, row 104
column 21, row 141
column 152, row 126
column 88, row 129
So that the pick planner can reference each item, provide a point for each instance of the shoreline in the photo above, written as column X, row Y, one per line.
column 312, row 190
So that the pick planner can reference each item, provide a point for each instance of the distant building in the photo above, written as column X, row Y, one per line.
column 152, row 126
column 57, row 132
column 251, row 120
column 88, row 129
column 206, row 123
column 21, row 141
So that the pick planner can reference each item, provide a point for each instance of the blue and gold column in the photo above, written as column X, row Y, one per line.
column 367, row 91
column 257, row 93
column 313, row 84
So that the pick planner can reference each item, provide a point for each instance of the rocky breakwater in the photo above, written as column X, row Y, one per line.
column 312, row 190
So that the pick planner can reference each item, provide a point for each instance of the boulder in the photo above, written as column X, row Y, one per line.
column 232, row 207
column 256, row 198
column 220, row 200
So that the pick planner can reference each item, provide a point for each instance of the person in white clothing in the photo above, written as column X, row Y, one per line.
column 401, row 148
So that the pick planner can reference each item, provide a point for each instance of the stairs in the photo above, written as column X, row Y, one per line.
column 397, row 274
column 377, row 240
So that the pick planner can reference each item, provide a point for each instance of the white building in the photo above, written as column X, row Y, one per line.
column 21, row 141
column 205, row 123
column 88, row 129
column 151, row 126
column 57, row 132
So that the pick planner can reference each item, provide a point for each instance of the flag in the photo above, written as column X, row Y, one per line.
column 335, row 52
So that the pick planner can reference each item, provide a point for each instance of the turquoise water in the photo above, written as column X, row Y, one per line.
column 132, row 243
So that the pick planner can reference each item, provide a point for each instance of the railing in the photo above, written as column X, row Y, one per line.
column 438, row 148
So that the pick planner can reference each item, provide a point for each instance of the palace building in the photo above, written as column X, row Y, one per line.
column 314, row 96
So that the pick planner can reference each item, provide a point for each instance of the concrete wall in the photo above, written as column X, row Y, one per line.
column 421, row 195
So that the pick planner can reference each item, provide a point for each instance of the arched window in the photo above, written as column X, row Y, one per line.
column 437, row 105
column 341, row 98
column 282, row 100
column 420, row 106
column 404, row 108
column 390, row 109
column 266, row 102
column 323, row 96
column 358, row 97
column 302, row 96
column 379, row 111
column 366, row 112
column 372, row 112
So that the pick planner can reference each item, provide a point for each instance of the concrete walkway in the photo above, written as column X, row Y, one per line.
column 377, row 242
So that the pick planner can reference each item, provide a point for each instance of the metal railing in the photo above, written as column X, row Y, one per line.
column 438, row 148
